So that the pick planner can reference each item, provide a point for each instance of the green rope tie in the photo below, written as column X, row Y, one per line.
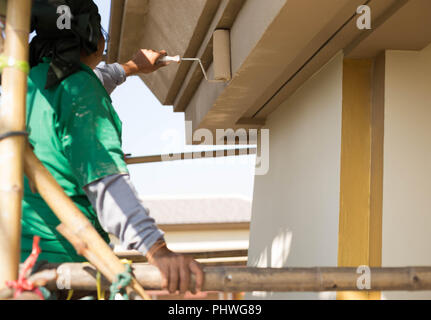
column 9, row 62
column 47, row 295
column 120, row 283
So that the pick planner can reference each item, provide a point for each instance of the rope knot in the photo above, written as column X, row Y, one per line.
column 22, row 284
column 121, row 281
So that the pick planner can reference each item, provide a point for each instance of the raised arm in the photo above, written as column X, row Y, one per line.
column 113, row 75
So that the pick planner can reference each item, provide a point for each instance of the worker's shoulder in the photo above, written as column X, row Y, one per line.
column 83, row 91
column 38, row 73
column 83, row 81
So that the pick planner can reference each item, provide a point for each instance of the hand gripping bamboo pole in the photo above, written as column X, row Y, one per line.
column 75, row 224
column 12, row 119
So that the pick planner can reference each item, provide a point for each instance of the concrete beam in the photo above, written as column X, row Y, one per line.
column 259, row 65
column 313, row 58
column 282, row 61
column 115, row 26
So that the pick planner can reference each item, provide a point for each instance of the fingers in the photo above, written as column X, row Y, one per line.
column 152, row 56
column 147, row 61
column 184, row 276
column 165, row 279
column 199, row 274
column 173, row 278
column 159, row 65
column 176, row 271
column 179, row 275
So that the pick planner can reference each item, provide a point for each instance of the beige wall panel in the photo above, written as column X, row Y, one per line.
column 407, row 164
column 296, row 205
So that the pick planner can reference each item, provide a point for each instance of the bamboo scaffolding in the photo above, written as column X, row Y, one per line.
column 241, row 279
column 191, row 155
column 75, row 226
column 12, row 119
column 136, row 256
column 224, row 262
column 207, row 259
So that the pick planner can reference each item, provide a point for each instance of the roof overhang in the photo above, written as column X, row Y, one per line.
column 275, row 45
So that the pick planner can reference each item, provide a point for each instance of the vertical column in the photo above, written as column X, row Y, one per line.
column 12, row 119
column 361, row 186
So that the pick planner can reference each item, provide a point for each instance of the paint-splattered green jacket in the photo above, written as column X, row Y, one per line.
column 76, row 133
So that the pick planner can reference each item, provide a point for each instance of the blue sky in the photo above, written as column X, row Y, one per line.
column 150, row 128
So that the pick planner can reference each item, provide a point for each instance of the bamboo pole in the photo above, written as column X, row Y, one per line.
column 6, row 293
column 235, row 279
column 192, row 156
column 28, row 296
column 12, row 119
column 205, row 259
column 136, row 256
column 75, row 224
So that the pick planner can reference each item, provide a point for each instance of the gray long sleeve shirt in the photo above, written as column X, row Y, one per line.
column 118, row 207
column 111, row 76
column 121, row 213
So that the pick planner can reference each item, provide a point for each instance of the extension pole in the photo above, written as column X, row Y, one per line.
column 191, row 156
column 238, row 279
column 12, row 119
column 74, row 224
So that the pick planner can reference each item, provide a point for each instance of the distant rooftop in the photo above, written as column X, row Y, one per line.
column 169, row 211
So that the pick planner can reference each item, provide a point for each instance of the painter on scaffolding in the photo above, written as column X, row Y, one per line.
column 76, row 133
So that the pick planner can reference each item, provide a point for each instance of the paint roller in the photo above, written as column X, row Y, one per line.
column 221, row 58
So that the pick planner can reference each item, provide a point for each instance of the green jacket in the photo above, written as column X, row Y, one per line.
column 76, row 133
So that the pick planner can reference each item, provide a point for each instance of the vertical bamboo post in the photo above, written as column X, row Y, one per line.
column 12, row 118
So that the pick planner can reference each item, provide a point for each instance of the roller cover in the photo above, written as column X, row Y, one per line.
column 222, row 62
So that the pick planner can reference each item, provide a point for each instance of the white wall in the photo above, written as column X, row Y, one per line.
column 407, row 164
column 296, row 205
column 186, row 241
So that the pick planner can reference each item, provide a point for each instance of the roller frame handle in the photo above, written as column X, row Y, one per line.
column 169, row 59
